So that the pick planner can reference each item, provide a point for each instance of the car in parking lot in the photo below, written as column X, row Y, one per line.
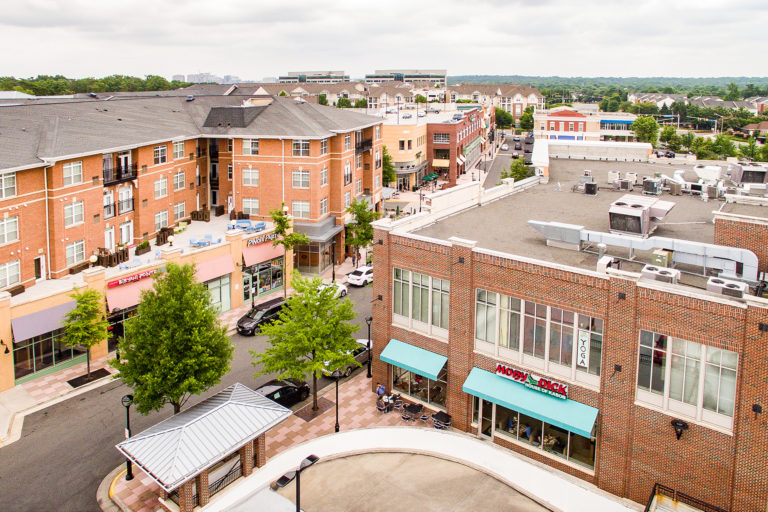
column 515, row 155
column 341, row 290
column 431, row 110
column 669, row 154
column 422, row 114
column 505, row 147
column 250, row 323
column 518, row 146
column 361, row 356
column 360, row 276
column 286, row 392
column 516, row 139
column 407, row 116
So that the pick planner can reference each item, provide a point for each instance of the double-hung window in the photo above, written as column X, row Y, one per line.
column 324, row 177
column 250, row 206
column 301, row 148
column 178, row 181
column 73, row 173
column 7, row 185
column 160, row 155
column 347, row 142
column 179, row 211
column 250, row 146
column 300, row 179
column 9, row 229
column 75, row 252
column 359, row 187
column 687, row 378
column 10, row 273
column 324, row 147
column 301, row 209
column 347, row 199
column 324, row 206
column 161, row 220
column 178, row 150
column 73, row 213
column 421, row 302
column 250, row 177
column 358, row 161
column 347, row 173
column 161, row 188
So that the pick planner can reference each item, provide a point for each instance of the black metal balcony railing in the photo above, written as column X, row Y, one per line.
column 363, row 145
column 214, row 153
column 233, row 474
column 119, row 174
column 109, row 210
column 214, row 180
column 124, row 206
column 201, row 152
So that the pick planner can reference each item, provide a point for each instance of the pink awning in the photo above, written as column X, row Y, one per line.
column 261, row 253
column 127, row 295
column 213, row 268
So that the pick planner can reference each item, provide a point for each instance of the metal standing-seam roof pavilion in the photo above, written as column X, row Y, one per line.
column 177, row 449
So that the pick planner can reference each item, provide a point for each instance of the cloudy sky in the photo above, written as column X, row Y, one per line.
column 254, row 38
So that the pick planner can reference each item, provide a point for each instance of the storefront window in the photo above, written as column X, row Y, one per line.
column 41, row 352
column 419, row 387
column 267, row 276
column 116, row 328
column 220, row 293
column 313, row 258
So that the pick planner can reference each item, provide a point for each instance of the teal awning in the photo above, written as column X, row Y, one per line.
column 568, row 414
column 413, row 359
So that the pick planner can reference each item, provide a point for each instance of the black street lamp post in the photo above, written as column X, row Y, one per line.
column 333, row 261
column 127, row 400
column 368, row 321
column 337, row 376
column 288, row 478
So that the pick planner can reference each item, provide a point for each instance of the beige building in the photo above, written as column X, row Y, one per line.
column 407, row 145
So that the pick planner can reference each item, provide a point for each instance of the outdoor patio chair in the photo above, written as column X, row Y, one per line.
column 382, row 408
column 193, row 241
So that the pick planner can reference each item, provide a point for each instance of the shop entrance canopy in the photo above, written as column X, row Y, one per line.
column 414, row 359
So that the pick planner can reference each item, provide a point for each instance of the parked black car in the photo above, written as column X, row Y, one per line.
column 669, row 154
column 518, row 145
column 285, row 392
column 251, row 322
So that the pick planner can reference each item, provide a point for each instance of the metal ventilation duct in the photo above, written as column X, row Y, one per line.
column 694, row 253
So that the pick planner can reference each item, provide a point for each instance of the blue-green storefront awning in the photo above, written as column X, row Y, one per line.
column 573, row 416
column 414, row 359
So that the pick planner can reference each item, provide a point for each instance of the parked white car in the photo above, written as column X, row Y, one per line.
column 361, row 276
column 341, row 290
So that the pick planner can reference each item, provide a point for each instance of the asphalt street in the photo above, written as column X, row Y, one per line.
column 66, row 450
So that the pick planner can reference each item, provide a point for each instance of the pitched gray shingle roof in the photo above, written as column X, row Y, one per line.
column 174, row 450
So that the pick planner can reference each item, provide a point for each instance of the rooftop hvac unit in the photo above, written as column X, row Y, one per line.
column 748, row 173
column 631, row 176
column 652, row 186
column 663, row 274
column 675, row 188
column 712, row 192
column 626, row 184
column 696, row 188
column 613, row 176
column 590, row 188
column 586, row 179
column 587, row 172
column 637, row 215
column 606, row 262
column 662, row 258
column 726, row 287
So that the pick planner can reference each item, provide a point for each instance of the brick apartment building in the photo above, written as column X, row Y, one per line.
column 95, row 177
column 596, row 364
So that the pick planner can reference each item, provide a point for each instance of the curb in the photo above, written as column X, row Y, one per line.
column 104, row 494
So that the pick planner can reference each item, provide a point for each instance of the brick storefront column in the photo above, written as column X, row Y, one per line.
column 381, row 310
column 260, row 450
column 203, row 491
column 246, row 459
column 186, row 497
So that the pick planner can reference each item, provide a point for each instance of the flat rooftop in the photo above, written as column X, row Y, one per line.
column 505, row 222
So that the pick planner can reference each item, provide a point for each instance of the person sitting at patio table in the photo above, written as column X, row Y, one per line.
column 381, row 405
column 381, row 390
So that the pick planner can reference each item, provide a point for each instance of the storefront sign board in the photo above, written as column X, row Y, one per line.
column 533, row 381
column 582, row 349
column 268, row 237
column 132, row 278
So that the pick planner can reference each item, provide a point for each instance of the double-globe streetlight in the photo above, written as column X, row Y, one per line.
column 289, row 477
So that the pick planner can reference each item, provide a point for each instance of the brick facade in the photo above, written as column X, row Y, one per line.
column 636, row 445
column 746, row 233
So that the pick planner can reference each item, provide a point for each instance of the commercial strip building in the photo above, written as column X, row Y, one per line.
column 567, row 123
column 94, row 178
column 437, row 77
column 512, row 98
column 612, row 363
column 313, row 77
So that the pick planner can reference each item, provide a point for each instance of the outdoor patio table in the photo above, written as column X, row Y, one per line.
column 414, row 408
column 441, row 417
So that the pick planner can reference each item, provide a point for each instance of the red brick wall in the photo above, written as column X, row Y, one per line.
column 747, row 235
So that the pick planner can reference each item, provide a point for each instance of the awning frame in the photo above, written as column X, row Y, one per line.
column 414, row 359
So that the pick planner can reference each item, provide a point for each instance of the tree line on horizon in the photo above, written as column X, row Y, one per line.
column 56, row 85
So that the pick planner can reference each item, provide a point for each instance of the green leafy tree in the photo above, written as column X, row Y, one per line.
column 86, row 324
column 503, row 118
column 283, row 93
column 666, row 133
column 764, row 152
column 360, row 233
column 361, row 103
column 322, row 99
column 174, row 347
column 288, row 240
column 646, row 129
column 723, row 145
column 517, row 170
column 732, row 92
column 313, row 328
column 387, row 167
column 344, row 103
column 526, row 120
column 687, row 139
column 420, row 99
column 675, row 142
column 750, row 149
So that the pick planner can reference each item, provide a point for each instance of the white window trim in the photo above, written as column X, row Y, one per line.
column 74, row 207
column 301, row 210
column 249, row 210
column 4, row 229
column 302, row 174
column 178, row 155
column 4, row 269
column 252, row 173
column 417, row 326
column 71, row 166
column 179, row 184
column 74, row 246
column 163, row 192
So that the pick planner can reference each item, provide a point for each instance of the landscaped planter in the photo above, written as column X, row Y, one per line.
column 142, row 250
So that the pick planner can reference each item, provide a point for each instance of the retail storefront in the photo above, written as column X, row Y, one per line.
column 38, row 346
column 316, row 257
column 417, row 373
column 123, row 297
column 525, row 409
column 215, row 275
column 263, row 267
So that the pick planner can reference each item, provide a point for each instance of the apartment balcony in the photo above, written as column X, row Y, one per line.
column 363, row 146
column 119, row 174
column 214, row 181
column 109, row 210
column 124, row 206
column 214, row 153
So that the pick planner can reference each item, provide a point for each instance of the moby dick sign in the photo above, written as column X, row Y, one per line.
column 529, row 380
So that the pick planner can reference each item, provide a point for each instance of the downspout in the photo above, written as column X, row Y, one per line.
column 47, row 231
column 282, row 151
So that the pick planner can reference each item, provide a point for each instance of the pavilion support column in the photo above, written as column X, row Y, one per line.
column 203, row 489
column 260, row 450
column 186, row 496
column 246, row 459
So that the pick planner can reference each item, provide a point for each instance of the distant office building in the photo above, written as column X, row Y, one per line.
column 313, row 77
column 437, row 76
column 177, row 78
column 269, row 80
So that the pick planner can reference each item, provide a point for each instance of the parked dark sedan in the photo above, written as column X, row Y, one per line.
column 285, row 392
column 250, row 323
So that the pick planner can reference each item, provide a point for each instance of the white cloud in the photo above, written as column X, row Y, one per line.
column 256, row 39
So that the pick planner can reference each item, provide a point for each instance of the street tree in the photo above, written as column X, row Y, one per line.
column 666, row 133
column 361, row 103
column 723, row 145
column 360, row 232
column 503, row 118
column 344, row 103
column 675, row 142
column 517, row 170
column 687, row 139
column 282, row 222
column 86, row 324
column 420, row 98
column 174, row 347
column 526, row 120
column 322, row 99
column 387, row 167
column 646, row 129
column 750, row 150
column 313, row 329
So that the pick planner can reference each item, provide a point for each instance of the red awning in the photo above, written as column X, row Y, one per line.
column 261, row 253
column 213, row 268
column 127, row 295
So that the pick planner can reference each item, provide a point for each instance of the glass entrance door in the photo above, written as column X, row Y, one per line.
column 486, row 423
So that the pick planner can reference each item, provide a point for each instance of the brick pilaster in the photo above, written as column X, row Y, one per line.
column 186, row 497
column 203, row 491
column 260, row 450
column 246, row 459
